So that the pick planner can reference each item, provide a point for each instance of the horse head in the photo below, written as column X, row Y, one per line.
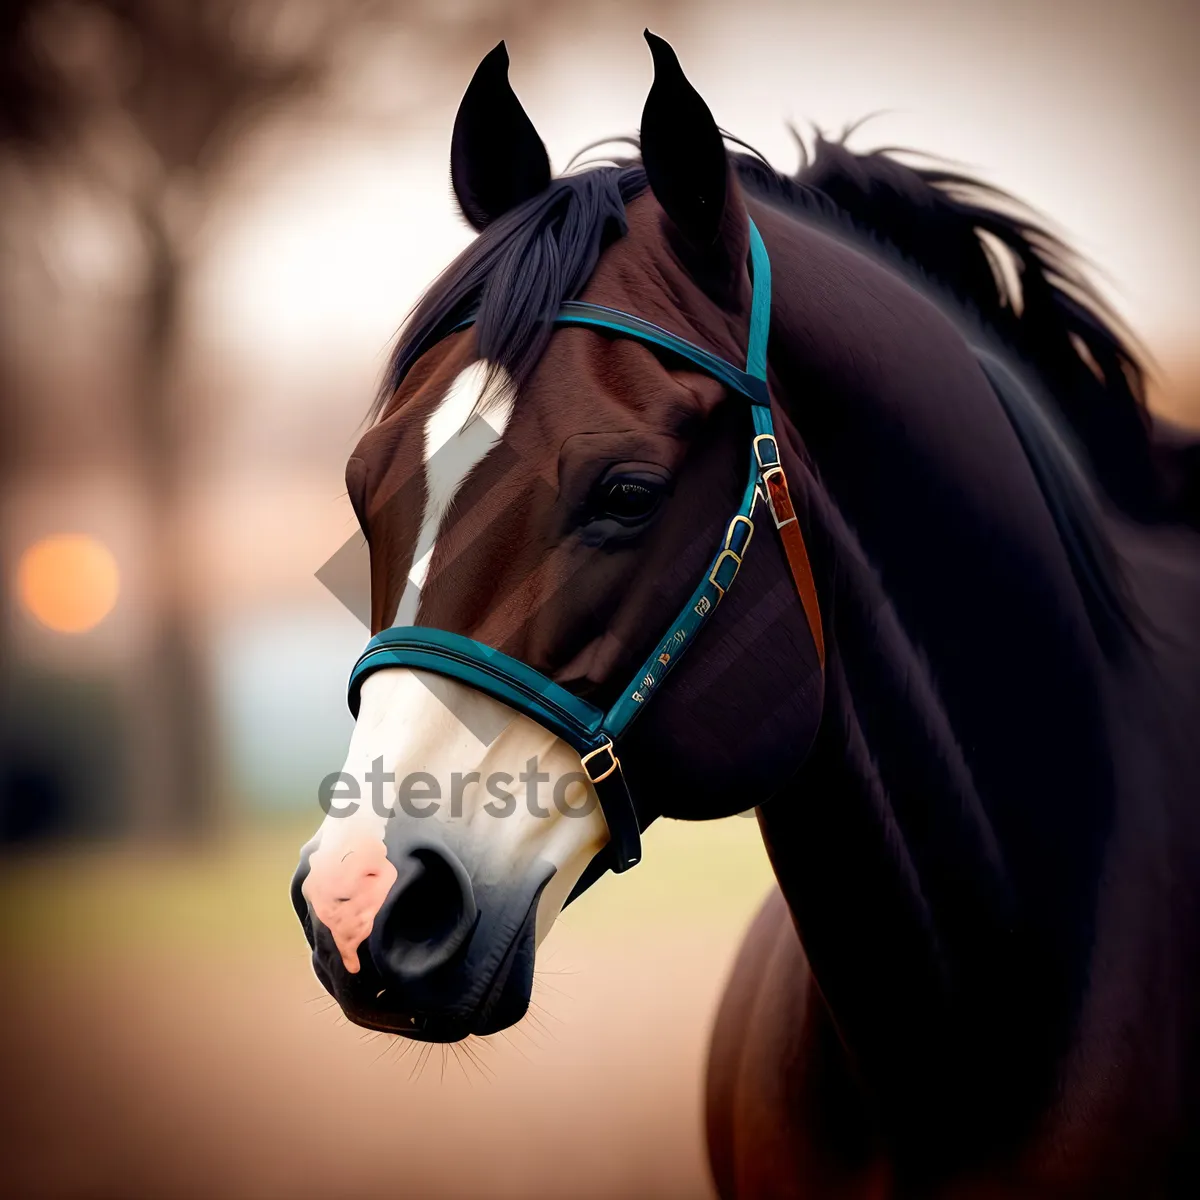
column 557, row 493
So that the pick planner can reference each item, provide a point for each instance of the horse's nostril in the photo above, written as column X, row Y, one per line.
column 431, row 906
column 428, row 915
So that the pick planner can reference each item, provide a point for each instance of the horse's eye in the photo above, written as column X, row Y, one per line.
column 629, row 501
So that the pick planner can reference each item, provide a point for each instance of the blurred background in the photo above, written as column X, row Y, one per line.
column 215, row 215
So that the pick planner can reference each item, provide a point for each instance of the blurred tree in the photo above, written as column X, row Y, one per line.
column 150, row 102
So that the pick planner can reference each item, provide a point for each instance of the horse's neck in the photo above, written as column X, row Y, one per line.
column 941, row 849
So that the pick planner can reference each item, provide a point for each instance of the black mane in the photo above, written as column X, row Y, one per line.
column 516, row 274
column 1023, row 284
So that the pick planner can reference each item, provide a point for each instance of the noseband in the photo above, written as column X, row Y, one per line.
column 593, row 733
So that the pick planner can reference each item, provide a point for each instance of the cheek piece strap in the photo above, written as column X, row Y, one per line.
column 592, row 732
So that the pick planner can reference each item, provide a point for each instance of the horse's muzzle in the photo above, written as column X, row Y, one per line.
column 445, row 957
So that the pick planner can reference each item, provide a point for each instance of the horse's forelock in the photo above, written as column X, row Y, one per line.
column 516, row 274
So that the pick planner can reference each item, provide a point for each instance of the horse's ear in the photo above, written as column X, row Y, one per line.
column 682, row 150
column 497, row 160
column 689, row 173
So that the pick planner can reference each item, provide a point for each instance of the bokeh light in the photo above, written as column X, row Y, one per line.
column 68, row 581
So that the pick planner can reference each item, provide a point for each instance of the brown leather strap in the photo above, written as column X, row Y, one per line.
column 779, row 501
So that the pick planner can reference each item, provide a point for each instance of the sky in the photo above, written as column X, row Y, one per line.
column 1085, row 110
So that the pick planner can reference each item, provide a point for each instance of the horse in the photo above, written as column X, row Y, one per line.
column 947, row 648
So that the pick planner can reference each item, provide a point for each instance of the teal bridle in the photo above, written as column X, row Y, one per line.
column 593, row 733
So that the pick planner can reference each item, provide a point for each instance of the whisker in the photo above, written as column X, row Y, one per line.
column 531, row 1018
column 524, row 1030
column 484, row 1070
column 384, row 1052
column 504, row 1035
column 540, row 1008
column 544, row 1014
column 403, row 1046
column 542, row 1030
column 541, row 983
column 481, row 1045
column 422, row 1061
column 459, row 1061
column 466, row 1051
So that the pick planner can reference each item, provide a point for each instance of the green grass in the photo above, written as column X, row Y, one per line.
column 707, row 871
column 233, row 893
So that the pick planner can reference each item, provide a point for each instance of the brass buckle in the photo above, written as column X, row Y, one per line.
column 607, row 748
column 712, row 575
column 766, row 437
column 775, row 470
column 749, row 533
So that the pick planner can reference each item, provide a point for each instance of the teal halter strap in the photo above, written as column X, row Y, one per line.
column 597, row 316
column 592, row 732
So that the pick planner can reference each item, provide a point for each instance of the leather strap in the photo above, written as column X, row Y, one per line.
column 779, row 502
column 772, row 486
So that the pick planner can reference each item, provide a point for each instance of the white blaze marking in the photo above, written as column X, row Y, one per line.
column 405, row 728
column 459, row 433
